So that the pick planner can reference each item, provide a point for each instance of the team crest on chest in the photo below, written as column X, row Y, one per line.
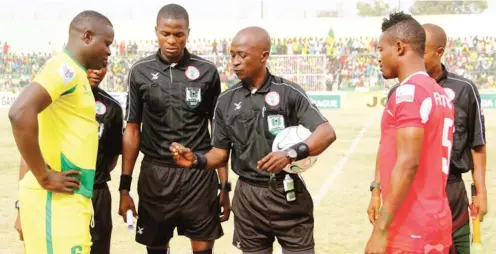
column 100, row 108
column 193, row 96
column 272, row 98
column 192, row 72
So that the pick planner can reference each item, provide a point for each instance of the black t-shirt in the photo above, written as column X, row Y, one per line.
column 110, row 119
column 174, row 102
column 248, row 121
column 469, row 121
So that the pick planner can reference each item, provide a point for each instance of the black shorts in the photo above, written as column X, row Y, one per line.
column 102, row 230
column 458, row 201
column 262, row 214
column 177, row 197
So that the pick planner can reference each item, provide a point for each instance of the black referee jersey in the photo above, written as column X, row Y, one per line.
column 109, row 116
column 248, row 121
column 469, row 121
column 174, row 102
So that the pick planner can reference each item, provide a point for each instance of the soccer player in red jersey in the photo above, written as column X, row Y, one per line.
column 414, row 151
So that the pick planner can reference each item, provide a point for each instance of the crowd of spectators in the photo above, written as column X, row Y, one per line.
column 318, row 64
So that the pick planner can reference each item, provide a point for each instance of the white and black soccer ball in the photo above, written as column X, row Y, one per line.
column 288, row 137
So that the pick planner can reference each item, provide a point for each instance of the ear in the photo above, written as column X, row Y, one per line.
column 400, row 48
column 440, row 52
column 88, row 36
column 265, row 56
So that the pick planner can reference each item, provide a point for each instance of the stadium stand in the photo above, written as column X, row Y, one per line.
column 318, row 64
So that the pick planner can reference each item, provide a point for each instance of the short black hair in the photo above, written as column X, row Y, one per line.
column 86, row 17
column 405, row 28
column 173, row 11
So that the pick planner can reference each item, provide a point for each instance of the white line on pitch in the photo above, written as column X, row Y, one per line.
column 335, row 172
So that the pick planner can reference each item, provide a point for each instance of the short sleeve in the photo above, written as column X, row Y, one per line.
column 220, row 135
column 133, row 103
column 213, row 94
column 412, row 106
column 478, row 132
column 56, row 78
column 306, row 112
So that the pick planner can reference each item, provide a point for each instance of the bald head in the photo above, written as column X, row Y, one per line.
column 435, row 35
column 253, row 36
column 250, row 50
column 434, row 49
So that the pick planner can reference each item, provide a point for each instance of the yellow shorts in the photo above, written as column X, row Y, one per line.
column 55, row 223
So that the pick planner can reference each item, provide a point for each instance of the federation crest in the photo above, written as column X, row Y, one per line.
column 100, row 108
column 193, row 96
column 192, row 72
column 272, row 98
column 275, row 124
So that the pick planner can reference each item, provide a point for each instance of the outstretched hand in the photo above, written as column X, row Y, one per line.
column 183, row 156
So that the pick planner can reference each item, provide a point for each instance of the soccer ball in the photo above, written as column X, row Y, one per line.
column 288, row 137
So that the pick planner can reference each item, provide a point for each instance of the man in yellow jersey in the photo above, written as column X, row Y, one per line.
column 56, row 132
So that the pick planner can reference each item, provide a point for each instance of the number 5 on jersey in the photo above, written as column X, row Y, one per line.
column 448, row 123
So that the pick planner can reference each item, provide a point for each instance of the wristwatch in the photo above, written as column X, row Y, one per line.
column 291, row 154
column 17, row 204
column 225, row 186
column 374, row 185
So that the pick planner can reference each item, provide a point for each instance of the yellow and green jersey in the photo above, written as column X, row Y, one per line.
column 68, row 130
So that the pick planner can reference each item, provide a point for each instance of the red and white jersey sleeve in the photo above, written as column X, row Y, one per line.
column 411, row 106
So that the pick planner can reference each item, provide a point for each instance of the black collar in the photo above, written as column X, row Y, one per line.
column 443, row 76
column 95, row 91
column 181, row 64
column 265, row 88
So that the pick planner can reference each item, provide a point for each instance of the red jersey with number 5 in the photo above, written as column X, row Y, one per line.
column 423, row 221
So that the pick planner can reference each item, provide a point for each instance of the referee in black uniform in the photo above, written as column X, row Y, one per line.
column 172, row 94
column 469, row 144
column 109, row 116
column 247, row 119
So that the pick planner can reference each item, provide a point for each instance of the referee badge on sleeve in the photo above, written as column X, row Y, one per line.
column 193, row 96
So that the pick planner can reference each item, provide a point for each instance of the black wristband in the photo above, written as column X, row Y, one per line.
column 201, row 161
column 125, row 183
column 302, row 150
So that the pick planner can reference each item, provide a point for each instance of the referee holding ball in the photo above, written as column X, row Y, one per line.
column 247, row 118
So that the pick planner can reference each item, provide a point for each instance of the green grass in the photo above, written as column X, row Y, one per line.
column 341, row 224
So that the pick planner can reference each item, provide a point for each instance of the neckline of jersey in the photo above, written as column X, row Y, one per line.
column 74, row 59
column 411, row 75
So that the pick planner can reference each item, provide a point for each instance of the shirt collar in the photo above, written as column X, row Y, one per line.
column 182, row 64
column 443, row 76
column 95, row 91
column 265, row 88
column 411, row 75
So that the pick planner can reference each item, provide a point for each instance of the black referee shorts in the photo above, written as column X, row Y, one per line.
column 262, row 214
column 458, row 201
column 101, row 233
column 177, row 197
